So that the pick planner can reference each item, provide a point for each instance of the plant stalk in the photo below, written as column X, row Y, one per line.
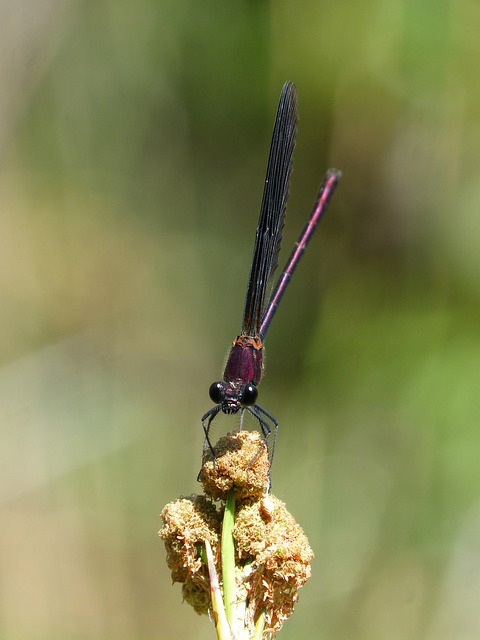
column 228, row 560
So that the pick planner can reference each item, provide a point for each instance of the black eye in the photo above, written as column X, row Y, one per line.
column 249, row 394
column 216, row 392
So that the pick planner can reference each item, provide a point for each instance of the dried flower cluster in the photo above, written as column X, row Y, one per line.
column 280, row 559
column 188, row 522
column 272, row 554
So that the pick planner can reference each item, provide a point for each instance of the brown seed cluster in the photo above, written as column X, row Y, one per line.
column 272, row 552
column 241, row 463
column 187, row 523
column 279, row 555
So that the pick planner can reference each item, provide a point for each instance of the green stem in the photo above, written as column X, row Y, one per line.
column 228, row 559
column 259, row 625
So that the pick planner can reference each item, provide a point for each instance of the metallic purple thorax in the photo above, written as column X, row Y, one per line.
column 245, row 361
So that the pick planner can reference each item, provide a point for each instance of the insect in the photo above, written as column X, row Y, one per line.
column 243, row 371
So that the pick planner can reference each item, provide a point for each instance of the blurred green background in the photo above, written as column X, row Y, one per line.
column 134, row 140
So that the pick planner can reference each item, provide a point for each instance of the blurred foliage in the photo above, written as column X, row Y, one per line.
column 134, row 139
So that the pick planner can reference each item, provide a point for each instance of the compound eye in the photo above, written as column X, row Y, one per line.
column 249, row 395
column 216, row 392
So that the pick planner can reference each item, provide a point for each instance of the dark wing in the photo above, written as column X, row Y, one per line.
column 272, row 213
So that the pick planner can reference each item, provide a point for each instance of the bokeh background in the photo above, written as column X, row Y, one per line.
column 133, row 141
